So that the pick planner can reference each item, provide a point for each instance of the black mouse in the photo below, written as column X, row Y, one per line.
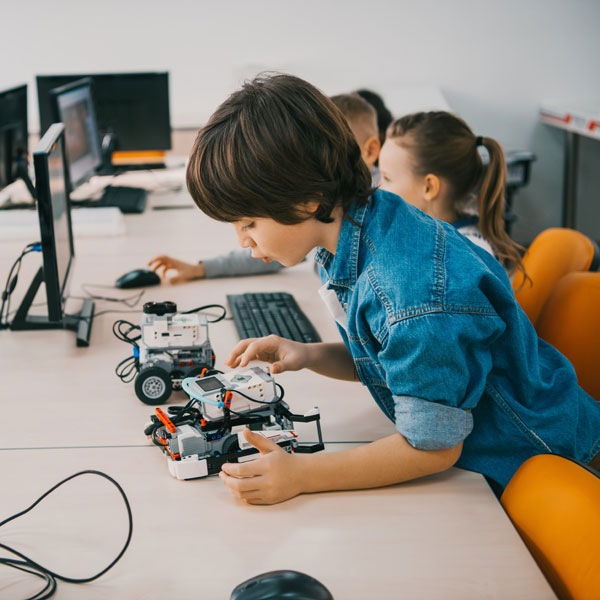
column 137, row 278
column 281, row 585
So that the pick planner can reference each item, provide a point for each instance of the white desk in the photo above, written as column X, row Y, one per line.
column 576, row 119
column 64, row 410
column 442, row 537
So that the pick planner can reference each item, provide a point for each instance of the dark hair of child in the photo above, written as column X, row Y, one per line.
column 444, row 145
column 272, row 145
column 384, row 116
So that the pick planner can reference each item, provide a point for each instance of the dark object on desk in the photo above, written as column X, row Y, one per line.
column 281, row 585
column 263, row 313
column 56, row 245
column 130, row 200
column 137, row 278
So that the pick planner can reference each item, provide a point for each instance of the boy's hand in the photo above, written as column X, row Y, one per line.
column 270, row 479
column 183, row 271
column 283, row 354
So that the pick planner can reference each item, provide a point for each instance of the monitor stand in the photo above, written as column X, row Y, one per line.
column 81, row 323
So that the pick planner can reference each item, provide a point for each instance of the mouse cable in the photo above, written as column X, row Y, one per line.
column 201, row 308
column 129, row 301
column 11, row 282
column 30, row 566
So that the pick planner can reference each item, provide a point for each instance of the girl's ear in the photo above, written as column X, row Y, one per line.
column 431, row 187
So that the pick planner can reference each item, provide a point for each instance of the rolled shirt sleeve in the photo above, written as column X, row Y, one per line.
column 436, row 369
column 431, row 426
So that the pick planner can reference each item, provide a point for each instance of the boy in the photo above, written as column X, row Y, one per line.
column 429, row 322
column 362, row 119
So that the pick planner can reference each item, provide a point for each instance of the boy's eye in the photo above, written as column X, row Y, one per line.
column 248, row 226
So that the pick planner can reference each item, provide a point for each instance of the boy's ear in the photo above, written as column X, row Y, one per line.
column 311, row 206
column 370, row 151
column 431, row 187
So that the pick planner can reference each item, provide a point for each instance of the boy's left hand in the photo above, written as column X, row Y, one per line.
column 270, row 479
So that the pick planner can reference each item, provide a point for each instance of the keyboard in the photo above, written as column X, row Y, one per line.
column 128, row 199
column 263, row 313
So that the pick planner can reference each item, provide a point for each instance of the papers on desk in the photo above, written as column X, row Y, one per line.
column 87, row 222
column 15, row 193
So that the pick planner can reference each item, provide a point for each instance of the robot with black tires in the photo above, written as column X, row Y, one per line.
column 207, row 432
column 170, row 347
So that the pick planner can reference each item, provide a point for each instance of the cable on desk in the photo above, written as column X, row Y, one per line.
column 11, row 282
column 28, row 565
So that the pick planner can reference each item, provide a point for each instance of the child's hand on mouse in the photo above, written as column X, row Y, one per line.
column 183, row 271
column 283, row 354
column 272, row 478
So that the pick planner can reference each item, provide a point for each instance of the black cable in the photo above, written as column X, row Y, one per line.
column 11, row 282
column 220, row 318
column 30, row 566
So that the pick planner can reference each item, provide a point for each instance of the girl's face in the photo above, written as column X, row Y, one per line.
column 270, row 240
column 397, row 175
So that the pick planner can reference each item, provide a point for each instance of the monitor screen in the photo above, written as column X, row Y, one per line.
column 54, row 213
column 13, row 132
column 133, row 107
column 75, row 109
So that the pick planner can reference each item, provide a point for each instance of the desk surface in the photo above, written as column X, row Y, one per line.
column 444, row 536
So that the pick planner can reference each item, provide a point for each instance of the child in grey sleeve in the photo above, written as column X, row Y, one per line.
column 362, row 119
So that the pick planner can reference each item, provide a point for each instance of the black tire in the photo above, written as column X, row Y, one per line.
column 153, row 386
column 231, row 444
column 195, row 371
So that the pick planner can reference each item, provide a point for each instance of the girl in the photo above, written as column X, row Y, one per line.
column 431, row 160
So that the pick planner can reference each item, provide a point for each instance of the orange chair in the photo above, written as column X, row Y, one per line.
column 554, row 503
column 570, row 321
column 552, row 254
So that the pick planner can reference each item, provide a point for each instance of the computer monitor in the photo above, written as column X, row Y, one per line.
column 73, row 106
column 132, row 107
column 14, row 137
column 54, row 212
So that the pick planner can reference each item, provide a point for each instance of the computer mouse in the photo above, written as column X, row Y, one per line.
column 137, row 278
column 281, row 585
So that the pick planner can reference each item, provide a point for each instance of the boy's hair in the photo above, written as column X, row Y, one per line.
column 444, row 145
column 272, row 145
column 361, row 116
column 384, row 116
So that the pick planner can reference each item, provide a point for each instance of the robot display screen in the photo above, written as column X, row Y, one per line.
column 209, row 384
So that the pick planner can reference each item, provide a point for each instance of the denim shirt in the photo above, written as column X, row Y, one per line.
column 437, row 336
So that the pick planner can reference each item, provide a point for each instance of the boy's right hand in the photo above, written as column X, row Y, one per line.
column 183, row 271
column 283, row 354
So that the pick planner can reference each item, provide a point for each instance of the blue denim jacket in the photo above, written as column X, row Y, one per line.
column 437, row 336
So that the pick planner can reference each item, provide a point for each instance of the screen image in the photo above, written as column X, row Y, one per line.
column 60, row 213
column 209, row 384
column 83, row 154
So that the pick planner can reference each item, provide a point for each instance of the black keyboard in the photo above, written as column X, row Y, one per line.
column 128, row 199
column 263, row 313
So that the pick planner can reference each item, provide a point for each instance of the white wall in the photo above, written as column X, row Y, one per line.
column 494, row 62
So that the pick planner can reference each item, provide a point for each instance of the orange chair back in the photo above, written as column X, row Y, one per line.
column 552, row 254
column 570, row 321
column 554, row 503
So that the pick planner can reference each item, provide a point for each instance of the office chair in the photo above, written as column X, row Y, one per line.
column 570, row 321
column 554, row 503
column 552, row 254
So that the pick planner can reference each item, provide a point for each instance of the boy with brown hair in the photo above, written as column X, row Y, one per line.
column 429, row 322
column 362, row 119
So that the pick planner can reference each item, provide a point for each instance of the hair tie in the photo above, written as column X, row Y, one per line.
column 479, row 141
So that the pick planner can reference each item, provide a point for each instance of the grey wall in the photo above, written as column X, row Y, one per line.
column 494, row 62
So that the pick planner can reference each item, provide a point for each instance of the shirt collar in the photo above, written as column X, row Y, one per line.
column 342, row 267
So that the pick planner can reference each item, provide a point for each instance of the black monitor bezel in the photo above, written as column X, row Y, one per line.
column 44, row 86
column 10, row 124
column 63, row 89
column 56, row 290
